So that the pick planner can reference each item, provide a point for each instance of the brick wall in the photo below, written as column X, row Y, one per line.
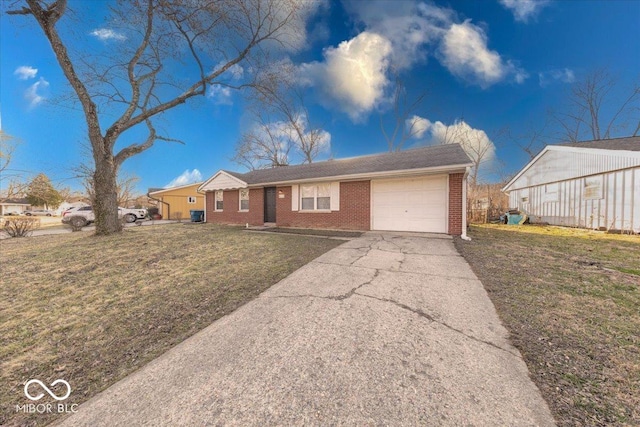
column 354, row 213
column 231, row 208
column 455, row 203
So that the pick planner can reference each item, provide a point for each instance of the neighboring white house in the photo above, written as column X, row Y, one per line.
column 13, row 206
column 592, row 184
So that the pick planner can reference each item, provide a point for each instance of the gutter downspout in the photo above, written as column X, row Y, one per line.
column 164, row 203
column 464, row 236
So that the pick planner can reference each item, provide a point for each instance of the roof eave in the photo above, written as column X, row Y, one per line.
column 461, row 168
column 164, row 190
column 604, row 151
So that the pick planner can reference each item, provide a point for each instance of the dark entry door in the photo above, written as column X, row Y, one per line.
column 270, row 204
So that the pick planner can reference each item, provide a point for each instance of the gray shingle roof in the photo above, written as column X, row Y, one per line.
column 14, row 201
column 418, row 158
column 630, row 143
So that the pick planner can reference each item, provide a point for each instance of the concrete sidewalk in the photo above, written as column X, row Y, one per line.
column 383, row 330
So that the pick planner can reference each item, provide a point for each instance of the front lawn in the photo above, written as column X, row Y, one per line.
column 91, row 310
column 571, row 301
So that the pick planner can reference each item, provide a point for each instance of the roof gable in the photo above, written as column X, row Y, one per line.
column 566, row 161
column 222, row 180
column 440, row 157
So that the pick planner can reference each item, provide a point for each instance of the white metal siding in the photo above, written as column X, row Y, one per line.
column 618, row 209
column 555, row 166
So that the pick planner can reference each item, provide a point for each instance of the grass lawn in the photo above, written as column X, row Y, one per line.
column 571, row 301
column 91, row 310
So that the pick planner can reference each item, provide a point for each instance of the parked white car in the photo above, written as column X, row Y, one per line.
column 87, row 215
column 39, row 212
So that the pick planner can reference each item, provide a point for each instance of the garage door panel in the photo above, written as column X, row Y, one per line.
column 414, row 204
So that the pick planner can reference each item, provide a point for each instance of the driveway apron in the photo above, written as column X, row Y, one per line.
column 386, row 329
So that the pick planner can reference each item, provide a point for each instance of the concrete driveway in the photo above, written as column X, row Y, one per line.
column 386, row 329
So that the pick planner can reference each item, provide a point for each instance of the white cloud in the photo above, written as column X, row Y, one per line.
column 34, row 94
column 475, row 142
column 106, row 34
column 524, row 9
column 409, row 26
column 187, row 177
column 25, row 72
column 352, row 75
column 235, row 72
column 418, row 126
column 465, row 53
column 563, row 75
column 220, row 95
column 294, row 36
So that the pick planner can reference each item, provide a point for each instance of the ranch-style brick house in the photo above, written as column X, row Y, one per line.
column 421, row 190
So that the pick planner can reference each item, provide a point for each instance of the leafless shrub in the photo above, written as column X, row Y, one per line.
column 20, row 227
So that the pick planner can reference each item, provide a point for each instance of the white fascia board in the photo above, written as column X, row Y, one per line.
column 603, row 151
column 373, row 175
column 240, row 183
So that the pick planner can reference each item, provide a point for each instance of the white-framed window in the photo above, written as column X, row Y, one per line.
column 244, row 200
column 315, row 197
column 550, row 192
column 592, row 188
column 218, row 200
column 191, row 200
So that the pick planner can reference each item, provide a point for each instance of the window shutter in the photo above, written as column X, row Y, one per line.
column 335, row 196
column 294, row 198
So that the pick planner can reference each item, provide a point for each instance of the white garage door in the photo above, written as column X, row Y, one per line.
column 410, row 204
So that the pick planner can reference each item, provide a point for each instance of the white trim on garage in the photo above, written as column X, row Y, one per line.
column 418, row 203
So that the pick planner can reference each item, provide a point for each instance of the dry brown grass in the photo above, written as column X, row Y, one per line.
column 571, row 300
column 92, row 309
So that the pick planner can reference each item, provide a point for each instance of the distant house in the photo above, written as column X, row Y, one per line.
column 13, row 206
column 422, row 189
column 592, row 184
column 177, row 202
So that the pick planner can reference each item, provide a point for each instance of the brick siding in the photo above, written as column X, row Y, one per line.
column 455, row 203
column 354, row 213
column 231, row 214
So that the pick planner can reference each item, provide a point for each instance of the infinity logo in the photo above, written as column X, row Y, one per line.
column 52, row 394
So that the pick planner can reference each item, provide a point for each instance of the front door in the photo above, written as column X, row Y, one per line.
column 270, row 204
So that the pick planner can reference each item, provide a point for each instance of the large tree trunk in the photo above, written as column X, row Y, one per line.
column 105, row 203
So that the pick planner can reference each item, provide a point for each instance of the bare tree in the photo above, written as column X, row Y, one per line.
column 402, row 128
column 8, row 145
column 263, row 146
column 282, row 101
column 475, row 142
column 583, row 118
column 15, row 189
column 125, row 186
column 208, row 39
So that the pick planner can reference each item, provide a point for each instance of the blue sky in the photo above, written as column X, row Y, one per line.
column 492, row 64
